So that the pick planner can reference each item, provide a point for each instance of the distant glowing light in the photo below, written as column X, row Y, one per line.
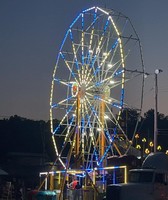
column 144, row 140
column 109, row 65
column 91, row 51
column 112, row 82
column 147, row 151
column 159, row 148
column 104, row 54
column 138, row 146
column 106, row 117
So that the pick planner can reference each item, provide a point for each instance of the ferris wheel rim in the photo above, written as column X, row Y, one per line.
column 79, row 83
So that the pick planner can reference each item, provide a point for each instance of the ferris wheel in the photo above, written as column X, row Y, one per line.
column 98, row 74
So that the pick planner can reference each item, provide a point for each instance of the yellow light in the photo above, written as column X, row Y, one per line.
column 151, row 144
column 147, row 151
column 138, row 146
column 112, row 82
column 99, row 129
column 90, row 51
column 137, row 136
column 109, row 65
column 159, row 148
column 144, row 140
column 106, row 117
column 104, row 54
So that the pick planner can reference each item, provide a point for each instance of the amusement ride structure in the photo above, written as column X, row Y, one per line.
column 99, row 74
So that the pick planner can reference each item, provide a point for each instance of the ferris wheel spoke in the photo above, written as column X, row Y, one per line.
column 92, row 32
column 90, row 50
column 82, row 39
column 64, row 117
column 64, row 40
column 75, row 55
column 69, row 126
column 68, row 84
column 116, row 122
column 94, row 111
column 75, row 21
column 111, row 139
column 89, row 146
column 113, row 118
column 67, row 65
column 62, row 102
column 102, row 36
column 88, row 63
column 98, row 48
column 93, row 148
column 109, row 81
column 89, row 76
column 111, row 69
column 98, row 68
column 107, row 54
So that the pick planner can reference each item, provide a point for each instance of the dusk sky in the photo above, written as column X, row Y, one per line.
column 31, row 33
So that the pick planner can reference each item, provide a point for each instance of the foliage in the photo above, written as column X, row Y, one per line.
column 19, row 134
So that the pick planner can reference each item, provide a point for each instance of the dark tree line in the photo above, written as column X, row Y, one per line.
column 19, row 134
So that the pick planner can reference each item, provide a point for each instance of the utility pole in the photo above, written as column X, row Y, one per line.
column 157, row 71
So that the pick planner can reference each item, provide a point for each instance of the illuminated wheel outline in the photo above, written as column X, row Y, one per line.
column 90, row 67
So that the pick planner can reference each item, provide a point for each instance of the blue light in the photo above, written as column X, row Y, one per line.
column 98, row 84
column 57, row 128
column 95, row 152
column 63, row 57
column 93, row 60
column 115, row 44
column 75, row 20
column 69, row 98
column 94, row 111
column 114, row 176
column 83, row 125
column 106, row 25
column 96, row 71
column 82, row 22
column 54, row 105
column 96, row 97
column 118, row 72
column 122, row 97
column 59, row 81
column 95, row 16
column 71, row 36
column 76, row 61
column 116, row 105
column 88, row 57
column 107, row 149
column 64, row 39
